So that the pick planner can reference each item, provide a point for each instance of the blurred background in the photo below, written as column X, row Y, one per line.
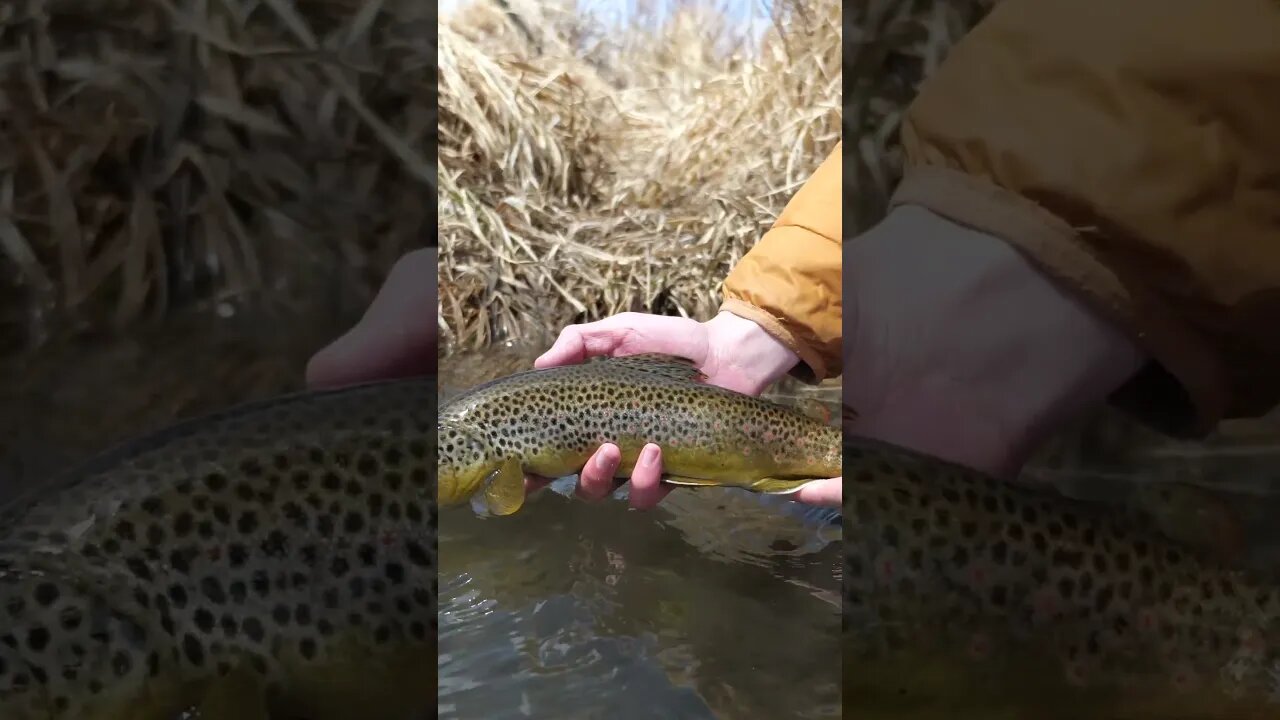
column 597, row 157
column 194, row 197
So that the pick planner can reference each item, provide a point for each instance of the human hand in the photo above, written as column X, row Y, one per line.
column 962, row 349
column 730, row 351
column 396, row 337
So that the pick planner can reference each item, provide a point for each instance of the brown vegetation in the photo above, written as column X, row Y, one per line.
column 585, row 172
column 155, row 153
column 895, row 45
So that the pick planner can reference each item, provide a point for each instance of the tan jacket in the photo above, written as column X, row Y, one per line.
column 1132, row 150
column 789, row 282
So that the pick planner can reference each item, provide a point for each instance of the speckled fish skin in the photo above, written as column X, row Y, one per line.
column 552, row 420
column 968, row 597
column 276, row 557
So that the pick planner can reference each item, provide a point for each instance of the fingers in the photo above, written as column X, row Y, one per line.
column 647, row 489
column 627, row 334
column 396, row 337
column 596, row 481
column 827, row 493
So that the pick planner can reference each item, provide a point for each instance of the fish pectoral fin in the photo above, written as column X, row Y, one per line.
column 504, row 488
column 238, row 695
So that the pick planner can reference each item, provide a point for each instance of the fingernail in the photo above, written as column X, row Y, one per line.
column 605, row 461
column 649, row 456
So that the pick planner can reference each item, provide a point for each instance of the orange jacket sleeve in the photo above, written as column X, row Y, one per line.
column 1132, row 151
column 789, row 282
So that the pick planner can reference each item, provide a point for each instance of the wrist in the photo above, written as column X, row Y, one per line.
column 760, row 358
column 970, row 353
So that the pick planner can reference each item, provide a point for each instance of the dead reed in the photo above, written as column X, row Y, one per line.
column 159, row 152
column 895, row 45
column 585, row 172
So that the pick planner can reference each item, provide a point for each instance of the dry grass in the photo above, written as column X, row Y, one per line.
column 895, row 44
column 159, row 152
column 586, row 172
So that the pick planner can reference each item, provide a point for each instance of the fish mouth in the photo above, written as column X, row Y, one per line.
column 462, row 463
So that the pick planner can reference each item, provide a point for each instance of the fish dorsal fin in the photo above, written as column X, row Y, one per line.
column 671, row 366
column 814, row 409
column 1192, row 516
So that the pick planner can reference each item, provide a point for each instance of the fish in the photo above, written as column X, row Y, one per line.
column 966, row 596
column 277, row 559
column 549, row 422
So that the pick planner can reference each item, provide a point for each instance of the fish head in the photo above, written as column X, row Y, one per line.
column 466, row 459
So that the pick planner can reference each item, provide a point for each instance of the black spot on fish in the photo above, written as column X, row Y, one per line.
column 248, row 522
column 193, row 649
column 46, row 594
column 37, row 638
column 253, row 629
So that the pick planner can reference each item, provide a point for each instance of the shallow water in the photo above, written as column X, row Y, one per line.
column 718, row 604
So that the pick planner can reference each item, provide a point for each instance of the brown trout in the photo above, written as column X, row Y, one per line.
column 549, row 422
column 275, row 560
column 968, row 597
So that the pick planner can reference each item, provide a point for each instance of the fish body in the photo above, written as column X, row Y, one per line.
column 969, row 597
column 274, row 560
column 549, row 422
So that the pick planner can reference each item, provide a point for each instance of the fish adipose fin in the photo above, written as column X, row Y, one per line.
column 504, row 488
column 670, row 366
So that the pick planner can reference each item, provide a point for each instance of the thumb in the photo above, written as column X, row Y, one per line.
column 397, row 335
column 826, row 493
column 627, row 334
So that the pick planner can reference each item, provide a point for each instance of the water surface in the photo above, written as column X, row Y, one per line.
column 717, row 604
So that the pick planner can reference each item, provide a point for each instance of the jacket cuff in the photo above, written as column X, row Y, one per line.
column 811, row 368
column 1183, row 392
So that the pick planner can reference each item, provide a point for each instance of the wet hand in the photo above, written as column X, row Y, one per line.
column 964, row 350
column 596, row 481
column 396, row 337
column 732, row 352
